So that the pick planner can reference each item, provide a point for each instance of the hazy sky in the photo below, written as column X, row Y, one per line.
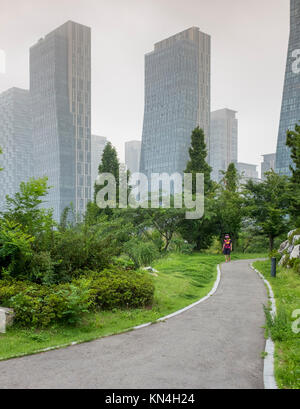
column 249, row 47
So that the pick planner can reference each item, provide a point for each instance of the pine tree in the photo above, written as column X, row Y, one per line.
column 231, row 178
column 198, row 157
column 109, row 164
column 200, row 232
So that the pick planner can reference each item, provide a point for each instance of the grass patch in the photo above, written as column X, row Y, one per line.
column 286, row 288
column 182, row 280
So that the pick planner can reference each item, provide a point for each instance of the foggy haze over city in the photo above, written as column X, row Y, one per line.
column 249, row 43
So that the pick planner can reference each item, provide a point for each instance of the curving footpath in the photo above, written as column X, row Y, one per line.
column 216, row 344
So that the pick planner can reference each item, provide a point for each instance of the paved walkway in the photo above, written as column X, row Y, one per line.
column 217, row 344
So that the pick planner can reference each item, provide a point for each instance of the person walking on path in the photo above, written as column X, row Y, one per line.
column 227, row 248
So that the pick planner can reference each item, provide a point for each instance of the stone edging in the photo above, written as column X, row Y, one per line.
column 269, row 377
column 213, row 290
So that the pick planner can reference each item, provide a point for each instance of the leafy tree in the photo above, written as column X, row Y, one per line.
column 109, row 164
column 15, row 247
column 231, row 178
column 166, row 221
column 267, row 204
column 228, row 205
column 200, row 232
column 198, row 159
column 293, row 142
column 24, row 207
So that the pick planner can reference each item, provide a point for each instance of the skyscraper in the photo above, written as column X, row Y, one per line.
column 290, row 109
column 177, row 100
column 60, row 86
column 247, row 171
column 97, row 148
column 15, row 141
column 133, row 155
column 268, row 164
column 223, row 141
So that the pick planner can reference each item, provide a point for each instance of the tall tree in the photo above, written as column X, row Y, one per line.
column 267, row 204
column 109, row 164
column 231, row 178
column 198, row 159
column 228, row 205
column 200, row 232
column 293, row 142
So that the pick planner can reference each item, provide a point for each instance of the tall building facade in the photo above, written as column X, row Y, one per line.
column 97, row 148
column 60, row 87
column 15, row 141
column 133, row 156
column 247, row 171
column 268, row 164
column 177, row 100
column 290, row 109
column 223, row 141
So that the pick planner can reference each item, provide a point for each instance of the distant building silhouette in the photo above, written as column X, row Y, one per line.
column 290, row 110
column 223, row 141
column 60, row 86
column 133, row 156
column 268, row 164
column 177, row 100
column 247, row 171
column 15, row 141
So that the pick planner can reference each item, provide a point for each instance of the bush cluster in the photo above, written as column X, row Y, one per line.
column 38, row 305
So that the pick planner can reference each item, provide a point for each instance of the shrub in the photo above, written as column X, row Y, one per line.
column 39, row 305
column 124, row 262
column 41, row 268
column 181, row 246
column 142, row 253
column 113, row 288
column 294, row 264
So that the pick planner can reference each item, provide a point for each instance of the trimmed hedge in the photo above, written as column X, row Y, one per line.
column 39, row 305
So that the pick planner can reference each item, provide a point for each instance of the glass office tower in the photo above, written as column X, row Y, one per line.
column 15, row 141
column 290, row 110
column 133, row 156
column 177, row 100
column 60, row 86
column 223, row 141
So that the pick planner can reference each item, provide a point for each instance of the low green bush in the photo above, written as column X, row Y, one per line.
column 38, row 305
column 114, row 288
column 180, row 246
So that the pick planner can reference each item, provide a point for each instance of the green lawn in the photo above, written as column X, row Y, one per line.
column 286, row 288
column 182, row 280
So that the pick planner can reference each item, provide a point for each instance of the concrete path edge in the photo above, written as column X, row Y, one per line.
column 269, row 376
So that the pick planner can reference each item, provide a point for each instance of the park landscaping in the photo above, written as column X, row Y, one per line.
column 181, row 280
column 286, row 288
